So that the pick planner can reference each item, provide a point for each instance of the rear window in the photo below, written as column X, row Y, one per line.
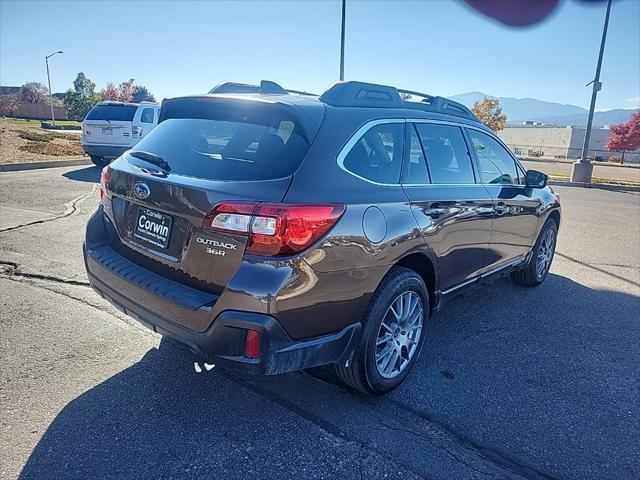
column 232, row 142
column 119, row 113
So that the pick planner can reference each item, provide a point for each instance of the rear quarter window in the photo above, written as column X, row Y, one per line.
column 147, row 115
column 118, row 113
column 377, row 155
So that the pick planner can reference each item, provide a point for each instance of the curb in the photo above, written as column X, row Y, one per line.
column 603, row 186
column 570, row 162
column 17, row 167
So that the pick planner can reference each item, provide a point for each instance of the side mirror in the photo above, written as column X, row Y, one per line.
column 535, row 179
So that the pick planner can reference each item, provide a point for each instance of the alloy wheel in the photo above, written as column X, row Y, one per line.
column 399, row 334
column 545, row 254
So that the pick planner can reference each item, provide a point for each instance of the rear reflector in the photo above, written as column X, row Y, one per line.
column 252, row 344
column 275, row 229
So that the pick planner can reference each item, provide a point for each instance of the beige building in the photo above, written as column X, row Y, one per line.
column 560, row 142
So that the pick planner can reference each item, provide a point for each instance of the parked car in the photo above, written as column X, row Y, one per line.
column 271, row 232
column 111, row 128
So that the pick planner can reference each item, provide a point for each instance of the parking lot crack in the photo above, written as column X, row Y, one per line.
column 12, row 269
column 71, row 207
column 441, row 436
column 493, row 456
column 49, row 286
column 320, row 422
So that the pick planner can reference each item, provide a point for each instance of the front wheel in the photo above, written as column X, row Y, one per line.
column 542, row 255
column 393, row 333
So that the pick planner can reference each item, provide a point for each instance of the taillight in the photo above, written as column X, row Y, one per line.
column 136, row 132
column 104, row 180
column 230, row 217
column 275, row 229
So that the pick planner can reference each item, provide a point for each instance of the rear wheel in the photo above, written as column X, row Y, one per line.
column 393, row 333
column 99, row 161
column 540, row 262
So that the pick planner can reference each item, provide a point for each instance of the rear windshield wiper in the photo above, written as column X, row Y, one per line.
column 151, row 158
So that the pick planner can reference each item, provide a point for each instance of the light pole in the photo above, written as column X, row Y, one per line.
column 344, row 11
column 46, row 60
column 582, row 169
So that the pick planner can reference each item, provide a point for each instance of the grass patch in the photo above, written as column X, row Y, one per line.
column 36, row 136
column 53, row 149
column 35, row 124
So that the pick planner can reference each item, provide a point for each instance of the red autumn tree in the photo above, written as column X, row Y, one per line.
column 110, row 92
column 127, row 90
column 122, row 93
column 626, row 136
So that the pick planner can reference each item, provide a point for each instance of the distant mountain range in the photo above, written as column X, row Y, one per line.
column 519, row 110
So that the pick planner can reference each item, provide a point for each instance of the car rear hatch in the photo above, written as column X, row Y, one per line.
column 109, row 124
column 216, row 150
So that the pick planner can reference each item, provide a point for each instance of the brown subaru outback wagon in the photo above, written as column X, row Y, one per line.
column 272, row 231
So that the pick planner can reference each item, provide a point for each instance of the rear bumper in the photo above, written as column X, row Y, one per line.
column 159, row 303
column 105, row 151
column 223, row 343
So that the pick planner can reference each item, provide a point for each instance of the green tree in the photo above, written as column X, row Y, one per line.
column 143, row 95
column 81, row 98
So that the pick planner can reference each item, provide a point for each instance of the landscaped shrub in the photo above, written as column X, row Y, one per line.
column 35, row 136
column 50, row 126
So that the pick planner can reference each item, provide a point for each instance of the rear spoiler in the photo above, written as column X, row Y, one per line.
column 205, row 106
column 266, row 87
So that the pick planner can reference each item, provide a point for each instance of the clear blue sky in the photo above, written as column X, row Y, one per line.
column 439, row 47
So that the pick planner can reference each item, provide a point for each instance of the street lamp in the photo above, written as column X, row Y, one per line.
column 582, row 169
column 46, row 60
column 344, row 12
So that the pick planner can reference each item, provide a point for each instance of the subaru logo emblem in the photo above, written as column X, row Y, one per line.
column 141, row 190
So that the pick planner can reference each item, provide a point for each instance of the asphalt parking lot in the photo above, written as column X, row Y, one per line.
column 512, row 383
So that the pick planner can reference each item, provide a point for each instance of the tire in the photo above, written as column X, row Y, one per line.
column 99, row 161
column 362, row 372
column 531, row 275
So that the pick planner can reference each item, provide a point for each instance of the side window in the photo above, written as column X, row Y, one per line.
column 416, row 164
column 495, row 163
column 447, row 154
column 377, row 155
column 147, row 115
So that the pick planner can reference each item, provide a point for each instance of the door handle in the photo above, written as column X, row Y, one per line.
column 435, row 212
column 500, row 209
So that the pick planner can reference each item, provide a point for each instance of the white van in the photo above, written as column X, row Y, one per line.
column 112, row 128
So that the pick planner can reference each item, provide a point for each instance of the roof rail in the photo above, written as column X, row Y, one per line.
column 360, row 94
column 266, row 87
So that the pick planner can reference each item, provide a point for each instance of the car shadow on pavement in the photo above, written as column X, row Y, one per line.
column 542, row 377
column 87, row 174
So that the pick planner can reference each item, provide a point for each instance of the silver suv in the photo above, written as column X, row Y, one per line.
column 111, row 128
